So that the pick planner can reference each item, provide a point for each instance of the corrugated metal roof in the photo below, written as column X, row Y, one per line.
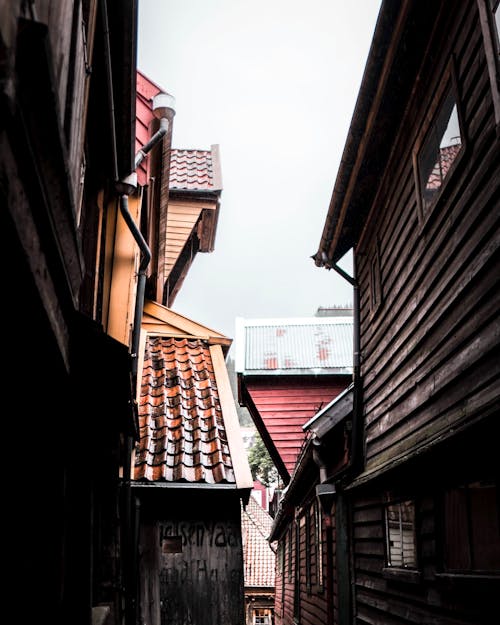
column 182, row 432
column 195, row 170
column 258, row 555
column 294, row 345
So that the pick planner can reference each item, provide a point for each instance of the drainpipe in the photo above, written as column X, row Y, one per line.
column 356, row 458
column 344, row 568
column 164, row 110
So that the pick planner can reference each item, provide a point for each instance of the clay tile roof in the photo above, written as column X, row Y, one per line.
column 258, row 554
column 182, row 432
column 195, row 170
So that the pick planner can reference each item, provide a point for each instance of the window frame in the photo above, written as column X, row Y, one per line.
column 318, row 534
column 447, row 83
column 491, row 38
column 446, row 570
column 376, row 294
column 401, row 573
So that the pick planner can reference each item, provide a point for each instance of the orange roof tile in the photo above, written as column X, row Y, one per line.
column 182, row 431
column 258, row 554
column 195, row 170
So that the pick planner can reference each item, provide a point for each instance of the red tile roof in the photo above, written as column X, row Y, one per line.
column 447, row 156
column 258, row 554
column 195, row 170
column 182, row 431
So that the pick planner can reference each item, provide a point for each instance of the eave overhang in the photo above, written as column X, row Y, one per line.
column 401, row 33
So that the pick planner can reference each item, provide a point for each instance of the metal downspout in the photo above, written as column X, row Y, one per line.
column 357, row 431
column 343, row 551
column 128, row 561
column 141, row 281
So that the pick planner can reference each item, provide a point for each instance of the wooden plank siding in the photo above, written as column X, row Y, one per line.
column 182, row 219
column 427, row 595
column 286, row 403
column 303, row 588
column 430, row 351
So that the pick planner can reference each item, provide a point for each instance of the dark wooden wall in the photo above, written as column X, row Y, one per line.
column 430, row 594
column 191, row 561
column 430, row 350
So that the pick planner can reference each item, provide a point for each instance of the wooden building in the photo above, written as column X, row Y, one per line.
column 190, row 476
column 259, row 563
column 287, row 370
column 311, row 568
column 66, row 382
column 417, row 199
column 290, row 372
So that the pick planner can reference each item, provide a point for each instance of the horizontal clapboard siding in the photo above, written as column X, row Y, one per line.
column 285, row 404
column 430, row 351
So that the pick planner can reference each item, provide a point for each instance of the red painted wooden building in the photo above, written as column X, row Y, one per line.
column 288, row 369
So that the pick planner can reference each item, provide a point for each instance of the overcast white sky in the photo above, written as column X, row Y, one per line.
column 274, row 83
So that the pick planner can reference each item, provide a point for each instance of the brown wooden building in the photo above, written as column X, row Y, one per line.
column 66, row 385
column 190, row 475
column 417, row 199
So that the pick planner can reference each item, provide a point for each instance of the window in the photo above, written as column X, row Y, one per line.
column 489, row 14
column 281, row 557
column 401, row 535
column 472, row 528
column 442, row 144
column 290, row 545
column 262, row 616
column 319, row 544
column 375, row 280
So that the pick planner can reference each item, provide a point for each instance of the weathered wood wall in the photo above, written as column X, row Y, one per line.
column 304, row 570
column 192, row 563
column 430, row 350
column 430, row 593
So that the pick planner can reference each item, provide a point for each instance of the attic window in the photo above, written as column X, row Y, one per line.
column 441, row 147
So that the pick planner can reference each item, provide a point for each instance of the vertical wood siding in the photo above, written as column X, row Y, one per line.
column 308, row 580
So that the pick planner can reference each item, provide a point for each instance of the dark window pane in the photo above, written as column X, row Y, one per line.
column 472, row 528
column 485, row 531
column 457, row 539
column 440, row 150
